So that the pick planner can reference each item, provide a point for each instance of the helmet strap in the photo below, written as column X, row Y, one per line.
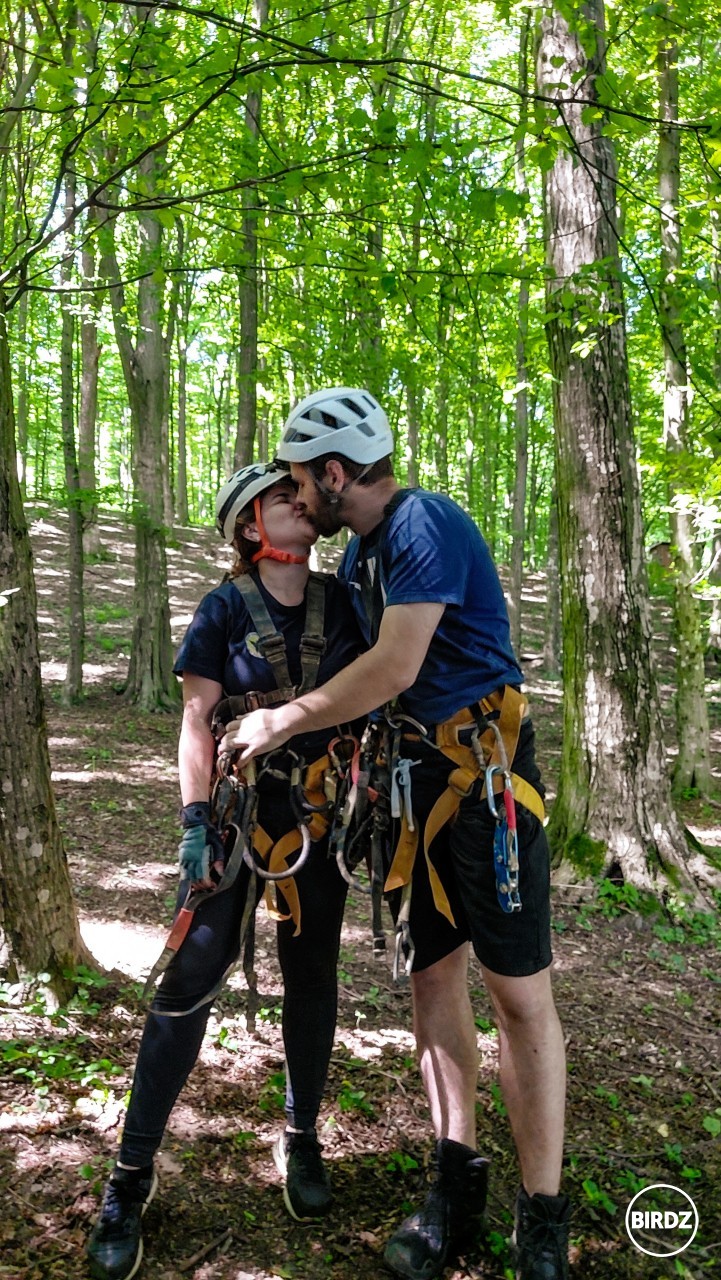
column 267, row 552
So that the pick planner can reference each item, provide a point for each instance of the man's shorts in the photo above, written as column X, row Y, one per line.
column 514, row 944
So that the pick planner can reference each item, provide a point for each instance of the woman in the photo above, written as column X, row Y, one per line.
column 222, row 656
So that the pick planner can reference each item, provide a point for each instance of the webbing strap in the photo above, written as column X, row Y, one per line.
column 371, row 589
column 270, row 639
column 275, row 856
column 460, row 784
column 271, row 642
column 402, row 866
column 313, row 642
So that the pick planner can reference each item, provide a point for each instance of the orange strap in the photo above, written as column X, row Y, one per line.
column 460, row 783
column 275, row 857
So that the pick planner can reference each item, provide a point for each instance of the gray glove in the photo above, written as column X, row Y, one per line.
column 200, row 845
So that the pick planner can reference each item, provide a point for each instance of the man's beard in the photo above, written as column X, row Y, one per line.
column 326, row 519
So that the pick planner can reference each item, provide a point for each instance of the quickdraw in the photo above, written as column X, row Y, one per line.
column 505, row 839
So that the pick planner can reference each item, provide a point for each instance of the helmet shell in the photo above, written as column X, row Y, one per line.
column 342, row 420
column 240, row 490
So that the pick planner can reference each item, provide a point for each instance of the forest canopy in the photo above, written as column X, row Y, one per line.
column 377, row 178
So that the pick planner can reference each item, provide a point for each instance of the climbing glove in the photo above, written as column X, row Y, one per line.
column 201, row 846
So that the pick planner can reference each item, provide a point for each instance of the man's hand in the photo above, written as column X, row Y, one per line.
column 255, row 733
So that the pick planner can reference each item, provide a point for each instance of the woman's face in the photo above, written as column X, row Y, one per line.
column 286, row 525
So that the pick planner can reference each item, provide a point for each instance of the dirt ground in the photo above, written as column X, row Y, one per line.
column 638, row 995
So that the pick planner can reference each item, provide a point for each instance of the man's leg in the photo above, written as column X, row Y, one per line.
column 533, row 1080
column 533, row 1074
column 446, row 1045
column 446, row 1041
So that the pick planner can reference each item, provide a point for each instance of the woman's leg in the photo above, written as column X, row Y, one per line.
column 172, row 1036
column 309, row 964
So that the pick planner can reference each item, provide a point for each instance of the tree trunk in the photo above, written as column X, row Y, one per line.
column 38, row 921
column 150, row 683
column 552, row 638
column 613, row 813
column 518, row 510
column 88, row 414
column 248, row 286
column 73, row 684
column 693, row 766
column 183, row 302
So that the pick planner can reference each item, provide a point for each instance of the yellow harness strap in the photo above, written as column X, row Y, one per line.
column 460, row 783
column 275, row 856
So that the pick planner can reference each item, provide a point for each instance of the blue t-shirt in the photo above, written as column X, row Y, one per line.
column 221, row 644
column 432, row 551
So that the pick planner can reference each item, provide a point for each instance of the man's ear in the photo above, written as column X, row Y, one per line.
column 334, row 477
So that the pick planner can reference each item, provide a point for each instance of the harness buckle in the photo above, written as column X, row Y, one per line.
column 313, row 645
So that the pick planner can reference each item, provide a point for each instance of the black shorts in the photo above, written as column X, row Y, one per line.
column 514, row 944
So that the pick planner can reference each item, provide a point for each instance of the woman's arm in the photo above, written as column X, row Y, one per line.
column 196, row 747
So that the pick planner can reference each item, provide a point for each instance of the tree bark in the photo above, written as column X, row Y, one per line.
column 150, row 682
column 88, row 412
column 613, row 814
column 520, row 477
column 73, row 683
column 552, row 638
column 248, row 286
column 693, row 765
column 38, row 921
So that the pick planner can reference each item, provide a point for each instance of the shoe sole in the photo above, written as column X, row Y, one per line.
column 139, row 1255
column 281, row 1165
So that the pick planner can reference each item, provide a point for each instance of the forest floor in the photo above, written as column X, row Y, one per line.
column 638, row 995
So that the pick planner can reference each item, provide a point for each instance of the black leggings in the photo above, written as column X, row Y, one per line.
column 170, row 1045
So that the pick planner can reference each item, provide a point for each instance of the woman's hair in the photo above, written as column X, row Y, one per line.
column 244, row 547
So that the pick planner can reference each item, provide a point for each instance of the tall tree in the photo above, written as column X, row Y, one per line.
column 248, row 280
column 38, row 919
column 693, row 766
column 613, row 811
column 520, row 475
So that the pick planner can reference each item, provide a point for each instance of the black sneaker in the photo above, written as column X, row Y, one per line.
column 307, row 1191
column 540, row 1238
column 115, row 1247
column 448, row 1221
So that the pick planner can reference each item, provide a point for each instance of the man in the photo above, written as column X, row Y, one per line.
column 428, row 597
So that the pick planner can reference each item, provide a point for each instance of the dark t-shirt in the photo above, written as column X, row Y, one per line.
column 221, row 644
column 432, row 551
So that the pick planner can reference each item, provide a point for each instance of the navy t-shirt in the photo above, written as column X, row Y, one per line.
column 221, row 644
column 432, row 551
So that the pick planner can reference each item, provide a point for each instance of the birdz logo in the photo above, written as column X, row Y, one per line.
column 661, row 1220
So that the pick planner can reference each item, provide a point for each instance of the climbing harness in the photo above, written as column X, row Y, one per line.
column 480, row 742
column 234, row 794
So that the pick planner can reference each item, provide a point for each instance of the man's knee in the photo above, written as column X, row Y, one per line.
column 520, row 1001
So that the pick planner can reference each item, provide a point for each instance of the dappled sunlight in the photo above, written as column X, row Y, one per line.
column 125, row 945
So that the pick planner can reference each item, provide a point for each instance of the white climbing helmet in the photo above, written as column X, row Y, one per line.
column 341, row 420
column 240, row 490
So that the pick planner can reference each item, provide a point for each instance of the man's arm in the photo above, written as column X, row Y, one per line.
column 196, row 746
column 379, row 675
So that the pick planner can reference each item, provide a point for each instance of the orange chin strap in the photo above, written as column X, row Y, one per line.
column 266, row 551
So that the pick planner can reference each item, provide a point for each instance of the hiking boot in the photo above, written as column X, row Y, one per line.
column 307, row 1191
column 115, row 1247
column 450, row 1218
column 540, row 1238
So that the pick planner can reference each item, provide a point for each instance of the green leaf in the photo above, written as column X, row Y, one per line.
column 712, row 1125
column 482, row 203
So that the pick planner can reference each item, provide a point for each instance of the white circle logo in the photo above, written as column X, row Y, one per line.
column 661, row 1220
